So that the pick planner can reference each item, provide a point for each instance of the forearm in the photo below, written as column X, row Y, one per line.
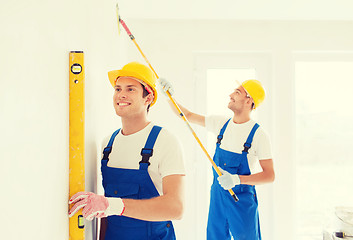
column 160, row 208
column 266, row 176
column 257, row 178
column 190, row 116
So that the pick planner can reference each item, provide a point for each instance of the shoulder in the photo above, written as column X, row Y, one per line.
column 107, row 137
column 166, row 136
column 262, row 144
column 167, row 143
column 216, row 119
column 215, row 122
column 105, row 140
column 261, row 131
column 261, row 135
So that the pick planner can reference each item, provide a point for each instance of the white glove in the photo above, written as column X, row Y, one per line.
column 94, row 205
column 227, row 180
column 166, row 86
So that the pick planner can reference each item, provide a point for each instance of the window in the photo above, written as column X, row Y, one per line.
column 324, row 136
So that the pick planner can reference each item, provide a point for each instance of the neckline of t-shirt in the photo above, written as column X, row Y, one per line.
column 141, row 132
column 248, row 123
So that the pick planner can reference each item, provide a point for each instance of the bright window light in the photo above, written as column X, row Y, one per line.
column 220, row 84
column 324, row 138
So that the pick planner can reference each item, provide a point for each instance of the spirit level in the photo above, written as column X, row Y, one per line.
column 76, row 141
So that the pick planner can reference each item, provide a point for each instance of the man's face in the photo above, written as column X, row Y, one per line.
column 128, row 98
column 238, row 99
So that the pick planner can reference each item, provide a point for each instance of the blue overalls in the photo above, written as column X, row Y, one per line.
column 133, row 184
column 226, row 216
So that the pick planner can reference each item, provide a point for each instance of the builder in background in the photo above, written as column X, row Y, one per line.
column 142, row 167
column 241, row 146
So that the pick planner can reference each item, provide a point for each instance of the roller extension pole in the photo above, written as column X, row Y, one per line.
column 76, row 141
column 173, row 101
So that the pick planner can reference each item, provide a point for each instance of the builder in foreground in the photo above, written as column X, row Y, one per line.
column 142, row 167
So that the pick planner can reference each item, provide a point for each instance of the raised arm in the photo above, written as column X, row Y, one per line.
column 191, row 116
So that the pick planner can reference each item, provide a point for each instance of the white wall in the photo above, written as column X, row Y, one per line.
column 36, row 37
column 238, row 9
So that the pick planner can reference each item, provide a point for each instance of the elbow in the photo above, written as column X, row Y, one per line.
column 178, row 210
column 269, row 175
column 272, row 177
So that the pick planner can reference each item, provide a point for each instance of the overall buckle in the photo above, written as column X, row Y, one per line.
column 247, row 146
column 219, row 139
column 146, row 153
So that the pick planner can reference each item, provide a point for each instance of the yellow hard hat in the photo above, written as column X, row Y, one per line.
column 138, row 71
column 255, row 90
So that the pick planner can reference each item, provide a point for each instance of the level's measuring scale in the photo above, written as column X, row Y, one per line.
column 76, row 142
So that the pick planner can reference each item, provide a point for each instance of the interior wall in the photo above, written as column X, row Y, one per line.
column 36, row 37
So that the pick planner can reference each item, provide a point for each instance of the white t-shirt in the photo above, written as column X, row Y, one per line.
column 236, row 135
column 166, row 160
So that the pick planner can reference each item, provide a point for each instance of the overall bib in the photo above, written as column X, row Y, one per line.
column 225, row 215
column 133, row 184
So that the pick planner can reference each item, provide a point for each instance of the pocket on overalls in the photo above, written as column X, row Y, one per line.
column 232, row 165
column 163, row 230
column 122, row 223
column 122, row 190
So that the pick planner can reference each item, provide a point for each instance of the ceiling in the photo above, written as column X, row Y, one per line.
column 237, row 9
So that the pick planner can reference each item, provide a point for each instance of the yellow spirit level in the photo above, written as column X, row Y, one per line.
column 76, row 141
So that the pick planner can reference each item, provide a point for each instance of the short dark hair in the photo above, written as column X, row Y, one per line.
column 145, row 94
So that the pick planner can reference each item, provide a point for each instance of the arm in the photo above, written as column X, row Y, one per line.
column 169, row 206
column 190, row 116
column 266, row 176
column 228, row 181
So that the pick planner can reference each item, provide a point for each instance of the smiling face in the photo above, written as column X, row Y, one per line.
column 239, row 100
column 128, row 98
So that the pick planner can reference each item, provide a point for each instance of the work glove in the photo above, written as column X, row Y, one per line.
column 94, row 205
column 227, row 180
column 166, row 86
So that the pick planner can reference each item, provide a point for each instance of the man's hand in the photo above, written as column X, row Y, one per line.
column 166, row 86
column 94, row 205
column 227, row 180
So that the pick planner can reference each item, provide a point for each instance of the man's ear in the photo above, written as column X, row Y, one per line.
column 249, row 101
column 149, row 99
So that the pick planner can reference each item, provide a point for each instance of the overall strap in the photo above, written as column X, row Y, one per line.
column 108, row 149
column 147, row 151
column 247, row 144
column 220, row 135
